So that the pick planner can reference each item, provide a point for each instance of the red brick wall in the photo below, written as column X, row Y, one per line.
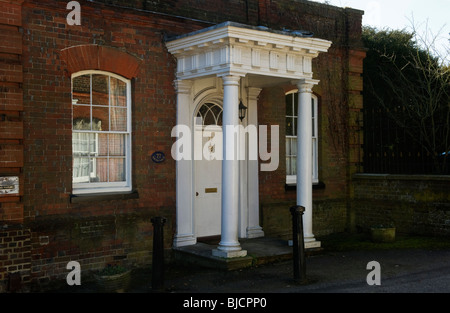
column 14, row 240
column 11, row 107
column 95, row 230
column 342, row 26
column 48, row 107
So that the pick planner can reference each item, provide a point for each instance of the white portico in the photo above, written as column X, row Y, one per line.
column 217, row 68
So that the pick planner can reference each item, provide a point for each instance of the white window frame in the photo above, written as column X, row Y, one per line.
column 292, row 179
column 108, row 187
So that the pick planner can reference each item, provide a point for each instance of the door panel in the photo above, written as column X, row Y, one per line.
column 208, row 182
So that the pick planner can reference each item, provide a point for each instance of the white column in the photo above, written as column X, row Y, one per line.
column 304, row 158
column 254, row 230
column 243, row 172
column 185, row 234
column 229, row 246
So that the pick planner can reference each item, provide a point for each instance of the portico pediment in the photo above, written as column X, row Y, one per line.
column 237, row 49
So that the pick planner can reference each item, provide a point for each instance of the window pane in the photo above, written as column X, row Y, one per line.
column 294, row 146
column 203, row 110
column 313, row 110
column 81, row 170
column 288, row 147
column 219, row 119
column 294, row 128
column 313, row 130
column 118, row 92
column 81, row 90
column 99, row 170
column 289, row 127
column 294, row 165
column 96, row 124
column 116, row 170
column 209, row 119
column 102, row 144
column 100, row 90
column 81, row 117
column 80, row 144
column 296, row 104
column 289, row 106
column 216, row 110
column 93, row 149
column 117, row 145
column 100, row 117
column 118, row 119
column 288, row 166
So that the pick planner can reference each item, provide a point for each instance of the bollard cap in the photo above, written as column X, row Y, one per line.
column 158, row 220
column 297, row 209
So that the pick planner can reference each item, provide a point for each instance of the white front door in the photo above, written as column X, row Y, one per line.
column 208, row 171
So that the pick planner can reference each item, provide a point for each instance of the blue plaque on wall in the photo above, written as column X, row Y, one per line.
column 158, row 157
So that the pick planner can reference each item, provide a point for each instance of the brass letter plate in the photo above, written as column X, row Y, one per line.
column 211, row 190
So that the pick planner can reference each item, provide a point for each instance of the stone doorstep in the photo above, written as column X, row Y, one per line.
column 201, row 255
column 259, row 251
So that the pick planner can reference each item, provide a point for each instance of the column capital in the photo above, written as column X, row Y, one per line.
column 231, row 79
column 305, row 85
column 253, row 93
column 183, row 86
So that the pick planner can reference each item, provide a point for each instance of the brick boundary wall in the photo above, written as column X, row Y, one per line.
column 415, row 204
column 91, row 241
column 15, row 256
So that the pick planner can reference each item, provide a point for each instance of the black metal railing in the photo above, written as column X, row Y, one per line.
column 391, row 148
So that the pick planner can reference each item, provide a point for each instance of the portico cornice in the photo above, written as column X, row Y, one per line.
column 236, row 49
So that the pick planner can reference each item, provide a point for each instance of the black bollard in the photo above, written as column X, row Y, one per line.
column 298, row 244
column 158, row 254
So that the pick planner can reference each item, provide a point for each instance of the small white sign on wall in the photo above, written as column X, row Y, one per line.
column 9, row 185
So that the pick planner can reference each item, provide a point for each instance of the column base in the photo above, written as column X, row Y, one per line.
column 308, row 244
column 313, row 244
column 255, row 232
column 184, row 240
column 229, row 254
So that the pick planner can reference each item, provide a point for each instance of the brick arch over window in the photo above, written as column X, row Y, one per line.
column 95, row 57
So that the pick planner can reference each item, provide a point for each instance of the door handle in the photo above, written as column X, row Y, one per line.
column 196, row 194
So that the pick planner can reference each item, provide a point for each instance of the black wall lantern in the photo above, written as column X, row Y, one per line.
column 242, row 110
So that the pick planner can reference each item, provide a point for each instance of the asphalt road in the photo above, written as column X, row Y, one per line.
column 400, row 271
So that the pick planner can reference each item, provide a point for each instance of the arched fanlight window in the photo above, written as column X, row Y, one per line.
column 209, row 114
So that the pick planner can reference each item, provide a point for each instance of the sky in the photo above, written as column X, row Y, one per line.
column 398, row 14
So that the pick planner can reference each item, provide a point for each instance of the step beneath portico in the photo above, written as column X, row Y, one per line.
column 259, row 251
